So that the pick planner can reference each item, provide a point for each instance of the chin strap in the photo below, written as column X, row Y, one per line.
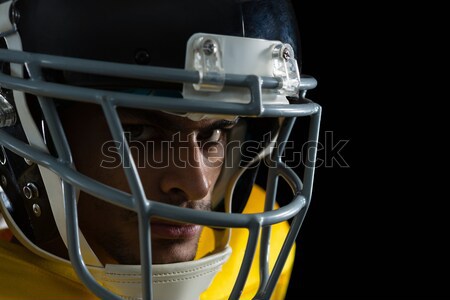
column 177, row 281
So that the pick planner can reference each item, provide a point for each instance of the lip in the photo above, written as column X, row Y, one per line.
column 166, row 230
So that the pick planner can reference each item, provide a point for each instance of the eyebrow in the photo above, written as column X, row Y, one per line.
column 221, row 124
column 157, row 118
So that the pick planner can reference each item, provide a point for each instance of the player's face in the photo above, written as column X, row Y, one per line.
column 178, row 160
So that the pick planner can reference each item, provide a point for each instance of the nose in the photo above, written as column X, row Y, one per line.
column 187, row 177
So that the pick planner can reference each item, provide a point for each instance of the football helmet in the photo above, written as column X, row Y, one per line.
column 234, row 60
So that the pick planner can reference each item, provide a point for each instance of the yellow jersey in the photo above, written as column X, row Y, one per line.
column 25, row 275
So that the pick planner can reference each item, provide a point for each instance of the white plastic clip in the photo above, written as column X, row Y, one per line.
column 285, row 67
column 208, row 62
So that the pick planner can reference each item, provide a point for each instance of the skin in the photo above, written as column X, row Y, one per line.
column 111, row 230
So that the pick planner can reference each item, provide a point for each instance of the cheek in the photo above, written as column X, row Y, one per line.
column 213, row 167
column 151, row 154
column 94, row 152
column 102, row 166
column 214, row 156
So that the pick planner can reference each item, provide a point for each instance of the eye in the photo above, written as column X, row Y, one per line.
column 211, row 136
column 140, row 133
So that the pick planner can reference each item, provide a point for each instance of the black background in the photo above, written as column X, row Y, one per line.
column 377, row 227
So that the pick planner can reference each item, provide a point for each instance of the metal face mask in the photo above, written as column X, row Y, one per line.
column 225, row 76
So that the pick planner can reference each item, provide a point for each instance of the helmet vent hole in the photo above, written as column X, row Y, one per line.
column 142, row 57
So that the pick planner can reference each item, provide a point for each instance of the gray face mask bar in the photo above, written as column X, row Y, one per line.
column 137, row 201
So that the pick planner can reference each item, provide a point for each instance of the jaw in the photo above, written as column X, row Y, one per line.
column 173, row 251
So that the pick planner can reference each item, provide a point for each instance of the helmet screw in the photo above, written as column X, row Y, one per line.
column 209, row 47
column 4, row 181
column 14, row 15
column 30, row 191
column 286, row 54
column 37, row 210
